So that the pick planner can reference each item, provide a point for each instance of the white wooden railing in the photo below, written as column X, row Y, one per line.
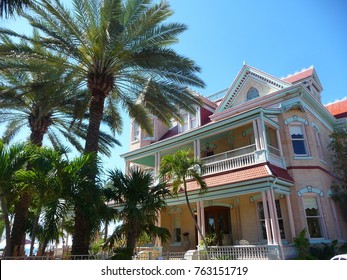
column 229, row 164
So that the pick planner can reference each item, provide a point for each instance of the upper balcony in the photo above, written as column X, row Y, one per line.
column 231, row 149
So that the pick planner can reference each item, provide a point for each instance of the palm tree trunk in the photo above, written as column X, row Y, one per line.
column 96, row 112
column 193, row 217
column 22, row 207
column 81, row 235
column 21, row 213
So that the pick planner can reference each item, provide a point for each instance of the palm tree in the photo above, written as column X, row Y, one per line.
column 11, row 7
column 141, row 200
column 179, row 167
column 48, row 101
column 12, row 159
column 120, row 50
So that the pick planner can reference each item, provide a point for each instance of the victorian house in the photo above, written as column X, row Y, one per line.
column 264, row 143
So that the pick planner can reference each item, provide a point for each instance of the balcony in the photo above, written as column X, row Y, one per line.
column 242, row 157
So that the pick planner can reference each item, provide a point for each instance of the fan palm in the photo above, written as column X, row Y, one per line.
column 177, row 168
column 141, row 200
column 120, row 50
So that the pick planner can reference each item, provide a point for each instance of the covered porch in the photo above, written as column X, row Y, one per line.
column 233, row 219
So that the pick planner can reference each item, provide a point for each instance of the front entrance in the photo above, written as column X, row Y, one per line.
column 217, row 224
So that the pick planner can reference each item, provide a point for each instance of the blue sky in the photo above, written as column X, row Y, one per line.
column 277, row 37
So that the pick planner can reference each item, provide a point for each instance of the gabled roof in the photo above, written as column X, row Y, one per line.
column 338, row 109
column 243, row 75
column 294, row 78
column 304, row 74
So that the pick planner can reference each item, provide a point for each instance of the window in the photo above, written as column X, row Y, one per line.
column 135, row 136
column 189, row 121
column 252, row 93
column 313, row 216
column 318, row 143
column 298, row 140
column 261, row 216
column 147, row 136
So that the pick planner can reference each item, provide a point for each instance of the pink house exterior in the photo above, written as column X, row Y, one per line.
column 264, row 142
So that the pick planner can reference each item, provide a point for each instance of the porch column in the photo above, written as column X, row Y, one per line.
column 156, row 164
column 127, row 167
column 290, row 217
column 266, row 216
column 272, row 217
column 277, row 227
column 197, row 153
column 256, row 135
column 158, row 224
column 198, row 213
column 202, row 213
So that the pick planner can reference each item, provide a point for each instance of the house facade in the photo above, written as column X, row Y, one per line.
column 264, row 143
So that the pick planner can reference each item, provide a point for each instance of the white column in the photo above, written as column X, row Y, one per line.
column 158, row 223
column 198, row 213
column 260, row 134
column 277, row 227
column 290, row 216
column 266, row 216
column 197, row 153
column 272, row 218
column 127, row 167
column 202, row 212
column 256, row 135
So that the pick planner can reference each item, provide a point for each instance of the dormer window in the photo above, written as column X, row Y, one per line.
column 189, row 121
column 252, row 93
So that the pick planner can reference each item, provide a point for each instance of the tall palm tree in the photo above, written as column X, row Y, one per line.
column 121, row 51
column 11, row 7
column 179, row 167
column 141, row 199
column 48, row 101
column 12, row 159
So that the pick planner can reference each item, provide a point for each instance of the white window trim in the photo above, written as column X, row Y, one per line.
column 320, row 217
column 305, row 139
column 146, row 136
column 133, row 125
column 189, row 120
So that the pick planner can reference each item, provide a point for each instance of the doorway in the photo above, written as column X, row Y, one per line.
column 218, row 225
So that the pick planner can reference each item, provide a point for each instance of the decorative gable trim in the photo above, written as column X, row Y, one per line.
column 245, row 73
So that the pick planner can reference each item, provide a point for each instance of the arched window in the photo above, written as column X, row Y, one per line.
column 252, row 93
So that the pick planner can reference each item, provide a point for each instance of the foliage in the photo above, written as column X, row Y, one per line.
column 140, row 199
column 326, row 251
column 302, row 244
column 9, row 8
column 12, row 159
column 177, row 168
column 338, row 147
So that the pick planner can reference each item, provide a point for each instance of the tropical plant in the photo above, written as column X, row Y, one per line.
column 11, row 7
column 179, row 167
column 12, row 159
column 338, row 148
column 48, row 101
column 140, row 199
column 120, row 51
column 302, row 244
